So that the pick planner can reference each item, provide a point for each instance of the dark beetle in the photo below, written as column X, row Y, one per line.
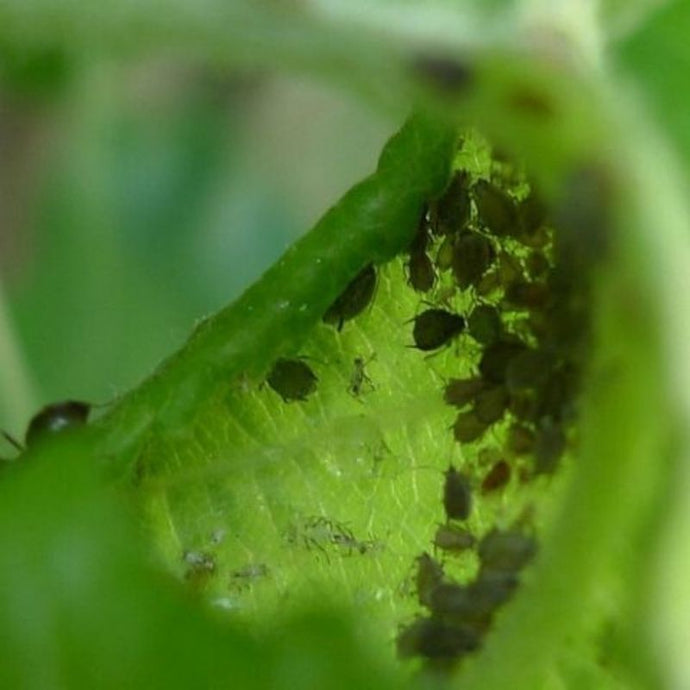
column 292, row 379
column 56, row 417
column 457, row 495
column 434, row 328
column 354, row 299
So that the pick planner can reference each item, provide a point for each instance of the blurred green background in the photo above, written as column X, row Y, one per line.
column 137, row 197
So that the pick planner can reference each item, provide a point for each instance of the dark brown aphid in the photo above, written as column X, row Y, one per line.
column 491, row 404
column 496, row 478
column 434, row 328
column 532, row 214
column 490, row 282
column 496, row 209
column 548, row 447
column 525, row 406
column 526, row 295
column 509, row 269
column 461, row 392
column 433, row 639
column 506, row 551
column 354, row 299
column 528, row 371
column 429, row 576
column 537, row 264
column 292, row 379
column 467, row 606
column 520, row 439
column 55, row 418
column 453, row 539
column 452, row 210
column 420, row 270
column 484, row 324
column 495, row 359
column 457, row 495
column 444, row 255
column 468, row 428
column 472, row 255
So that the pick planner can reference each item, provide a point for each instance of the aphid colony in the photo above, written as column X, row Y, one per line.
column 460, row 615
column 526, row 326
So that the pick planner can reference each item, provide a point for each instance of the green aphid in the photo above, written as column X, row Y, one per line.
column 496, row 209
column 354, row 299
column 484, row 324
column 292, row 379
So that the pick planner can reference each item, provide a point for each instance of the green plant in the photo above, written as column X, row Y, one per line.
column 325, row 503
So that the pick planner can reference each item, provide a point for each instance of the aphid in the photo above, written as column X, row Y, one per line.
column 433, row 639
column 461, row 392
column 453, row 539
column 420, row 270
column 496, row 478
column 429, row 576
column 524, row 405
column 491, row 404
column 56, row 417
column 506, row 551
column 532, row 214
column 444, row 255
column 468, row 428
column 472, row 255
column 496, row 209
column 464, row 605
column 495, row 359
column 359, row 377
column 457, row 495
column 548, row 447
column 509, row 269
column 292, row 379
column 490, row 282
column 434, row 328
column 452, row 210
column 526, row 295
column 528, row 371
column 354, row 299
column 537, row 264
column 484, row 324
column 520, row 439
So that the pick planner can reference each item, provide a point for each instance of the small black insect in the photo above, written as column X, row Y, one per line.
column 496, row 209
column 354, row 299
column 520, row 439
column 451, row 213
column 496, row 478
column 461, row 392
column 472, row 255
column 537, row 264
column 420, row 271
column 491, row 404
column 457, row 495
column 526, row 295
column 468, row 427
column 55, row 418
column 484, row 324
column 549, row 446
column 292, row 379
column 496, row 358
column 506, row 551
column 429, row 576
column 432, row 638
column 434, row 328
column 453, row 539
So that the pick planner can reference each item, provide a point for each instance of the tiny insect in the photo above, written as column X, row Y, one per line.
column 354, row 299
column 506, row 551
column 491, row 404
column 249, row 574
column 57, row 417
column 549, row 446
column 496, row 358
column 496, row 209
column 467, row 428
column 532, row 214
column 420, row 271
column 496, row 478
column 461, row 392
column 452, row 210
column 527, row 295
column 473, row 254
column 359, row 378
column 537, row 264
column 528, row 371
column 292, row 379
column 457, row 495
column 453, row 539
column 432, row 638
column 435, row 328
column 429, row 576
column 484, row 324
column 520, row 439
